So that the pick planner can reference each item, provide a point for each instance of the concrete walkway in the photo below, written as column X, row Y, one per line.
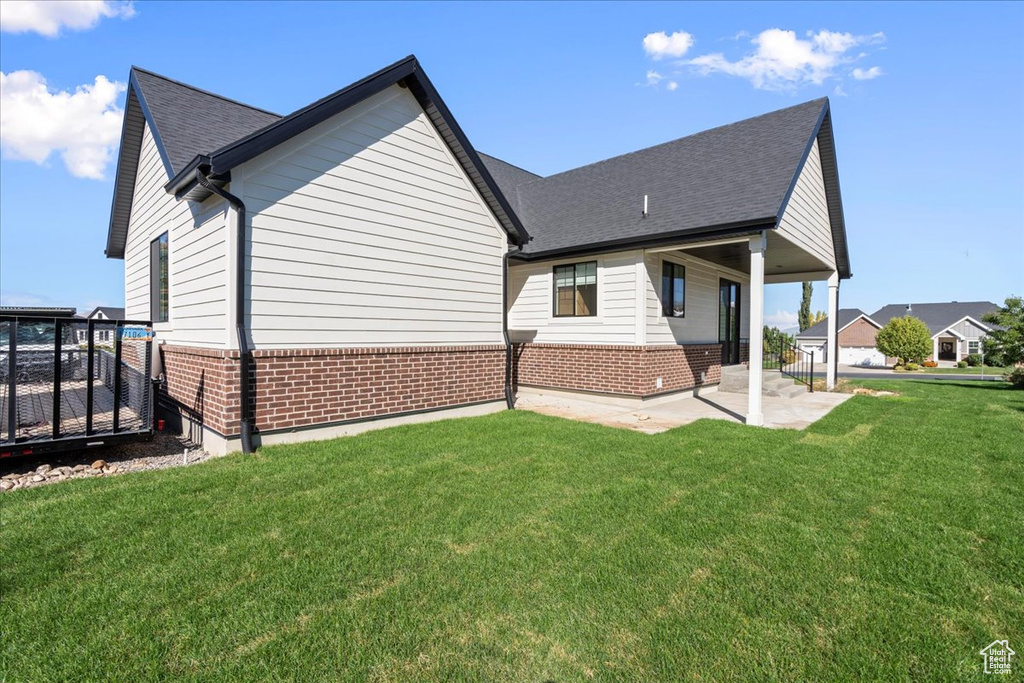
column 779, row 413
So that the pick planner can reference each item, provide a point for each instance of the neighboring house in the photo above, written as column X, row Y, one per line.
column 104, row 334
column 356, row 260
column 856, row 339
column 957, row 327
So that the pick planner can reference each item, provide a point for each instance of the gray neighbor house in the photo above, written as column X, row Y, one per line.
column 957, row 329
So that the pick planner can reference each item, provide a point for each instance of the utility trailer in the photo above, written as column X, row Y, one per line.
column 58, row 393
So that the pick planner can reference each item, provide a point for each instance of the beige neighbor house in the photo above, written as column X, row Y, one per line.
column 358, row 262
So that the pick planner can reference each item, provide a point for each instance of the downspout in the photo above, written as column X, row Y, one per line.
column 244, row 354
column 509, row 400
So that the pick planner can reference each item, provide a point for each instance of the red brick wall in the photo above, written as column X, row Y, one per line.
column 860, row 333
column 302, row 387
column 614, row 369
column 206, row 382
column 295, row 388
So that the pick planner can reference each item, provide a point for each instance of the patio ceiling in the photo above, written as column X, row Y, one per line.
column 782, row 256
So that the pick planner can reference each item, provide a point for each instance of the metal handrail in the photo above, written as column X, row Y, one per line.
column 792, row 361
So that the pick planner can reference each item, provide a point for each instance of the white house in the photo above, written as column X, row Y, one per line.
column 357, row 262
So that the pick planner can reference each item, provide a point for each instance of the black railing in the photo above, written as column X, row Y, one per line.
column 790, row 360
column 68, row 383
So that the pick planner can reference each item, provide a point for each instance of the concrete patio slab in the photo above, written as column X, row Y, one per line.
column 779, row 413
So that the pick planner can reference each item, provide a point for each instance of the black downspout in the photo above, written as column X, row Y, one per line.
column 244, row 354
column 509, row 400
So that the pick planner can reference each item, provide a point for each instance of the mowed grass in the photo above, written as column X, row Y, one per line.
column 883, row 543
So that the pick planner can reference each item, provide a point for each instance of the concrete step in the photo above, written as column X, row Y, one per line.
column 735, row 380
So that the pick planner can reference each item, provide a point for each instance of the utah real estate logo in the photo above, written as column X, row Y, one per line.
column 997, row 657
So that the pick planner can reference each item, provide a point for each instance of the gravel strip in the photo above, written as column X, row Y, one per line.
column 165, row 450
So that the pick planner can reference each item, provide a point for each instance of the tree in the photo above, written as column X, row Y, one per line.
column 774, row 338
column 905, row 339
column 804, row 316
column 817, row 318
column 1008, row 340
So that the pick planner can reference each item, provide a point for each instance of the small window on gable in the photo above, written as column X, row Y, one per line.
column 576, row 289
column 673, row 290
column 158, row 280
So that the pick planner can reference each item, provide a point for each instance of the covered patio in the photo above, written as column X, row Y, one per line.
column 658, row 416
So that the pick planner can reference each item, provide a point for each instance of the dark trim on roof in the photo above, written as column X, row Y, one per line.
column 680, row 237
column 141, row 97
column 803, row 161
column 406, row 72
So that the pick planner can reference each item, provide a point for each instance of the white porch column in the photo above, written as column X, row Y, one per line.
column 757, row 249
column 935, row 349
column 833, row 331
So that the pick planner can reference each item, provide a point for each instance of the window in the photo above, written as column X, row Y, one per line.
column 974, row 346
column 158, row 283
column 576, row 289
column 673, row 290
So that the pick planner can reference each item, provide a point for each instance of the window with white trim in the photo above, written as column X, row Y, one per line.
column 974, row 346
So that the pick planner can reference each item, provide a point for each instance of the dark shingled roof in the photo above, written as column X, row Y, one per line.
column 109, row 312
column 508, row 177
column 733, row 175
column 820, row 329
column 734, row 179
column 938, row 316
column 191, row 121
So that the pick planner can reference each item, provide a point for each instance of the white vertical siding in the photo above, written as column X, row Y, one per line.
column 805, row 221
column 701, row 322
column 197, row 268
column 531, row 294
column 366, row 232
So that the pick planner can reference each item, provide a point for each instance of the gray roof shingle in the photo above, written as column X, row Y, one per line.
column 508, row 177
column 191, row 121
column 820, row 330
column 937, row 316
column 734, row 174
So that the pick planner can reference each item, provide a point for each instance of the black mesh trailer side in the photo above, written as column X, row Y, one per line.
column 70, row 384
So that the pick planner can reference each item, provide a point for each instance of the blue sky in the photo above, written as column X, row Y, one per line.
column 930, row 137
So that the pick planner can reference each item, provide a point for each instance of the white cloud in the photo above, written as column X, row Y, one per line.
column 781, row 60
column 672, row 85
column 83, row 126
column 653, row 77
column 48, row 17
column 781, row 319
column 659, row 45
column 839, row 92
column 866, row 74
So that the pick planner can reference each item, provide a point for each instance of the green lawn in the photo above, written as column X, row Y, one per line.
column 995, row 372
column 883, row 543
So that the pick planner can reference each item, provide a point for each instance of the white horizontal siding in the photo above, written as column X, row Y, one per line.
column 805, row 221
column 197, row 256
column 701, row 322
column 531, row 314
column 366, row 232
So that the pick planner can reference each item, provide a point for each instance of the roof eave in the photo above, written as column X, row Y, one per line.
column 661, row 239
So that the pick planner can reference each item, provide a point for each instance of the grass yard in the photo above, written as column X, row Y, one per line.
column 994, row 372
column 883, row 543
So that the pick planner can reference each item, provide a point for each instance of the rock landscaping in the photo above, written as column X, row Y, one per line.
column 165, row 450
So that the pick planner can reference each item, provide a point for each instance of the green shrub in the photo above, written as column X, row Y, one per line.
column 904, row 339
column 898, row 368
column 1015, row 377
column 788, row 357
column 961, row 364
column 911, row 367
column 974, row 360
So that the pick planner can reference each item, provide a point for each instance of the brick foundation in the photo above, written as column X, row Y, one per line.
column 306, row 387
column 615, row 369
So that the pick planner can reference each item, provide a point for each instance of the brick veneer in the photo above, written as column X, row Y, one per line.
column 859, row 333
column 617, row 369
column 304, row 387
